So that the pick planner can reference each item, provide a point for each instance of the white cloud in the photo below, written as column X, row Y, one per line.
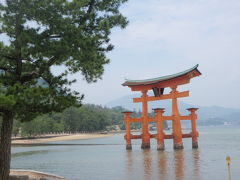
column 203, row 31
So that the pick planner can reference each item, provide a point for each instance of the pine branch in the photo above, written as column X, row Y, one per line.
column 29, row 77
column 53, row 60
column 7, row 56
column 91, row 4
column 42, row 69
column 3, row 68
column 90, row 8
column 54, row 36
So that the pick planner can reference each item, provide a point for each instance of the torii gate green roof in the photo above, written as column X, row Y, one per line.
column 129, row 82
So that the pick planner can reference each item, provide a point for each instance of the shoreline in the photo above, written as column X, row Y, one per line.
column 53, row 138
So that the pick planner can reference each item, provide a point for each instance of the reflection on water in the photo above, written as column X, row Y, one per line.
column 179, row 164
column 129, row 163
column 196, row 164
column 164, row 165
column 147, row 163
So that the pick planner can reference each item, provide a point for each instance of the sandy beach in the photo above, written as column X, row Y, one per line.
column 54, row 138
column 35, row 175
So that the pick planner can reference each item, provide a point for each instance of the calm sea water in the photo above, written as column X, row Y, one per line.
column 107, row 159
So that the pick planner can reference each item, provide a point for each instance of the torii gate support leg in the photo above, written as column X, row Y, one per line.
column 127, row 118
column 160, row 134
column 194, row 127
column 176, row 123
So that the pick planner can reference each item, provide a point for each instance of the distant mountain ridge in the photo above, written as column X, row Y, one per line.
column 207, row 115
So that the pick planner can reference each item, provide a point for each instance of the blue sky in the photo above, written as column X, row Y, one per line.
column 169, row 36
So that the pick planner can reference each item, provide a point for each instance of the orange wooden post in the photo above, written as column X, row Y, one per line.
column 176, row 123
column 127, row 118
column 157, row 85
column 145, row 131
column 160, row 134
column 194, row 132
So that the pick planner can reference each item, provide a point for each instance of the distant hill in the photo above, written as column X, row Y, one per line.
column 207, row 115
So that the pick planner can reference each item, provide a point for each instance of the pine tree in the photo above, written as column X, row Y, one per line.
column 42, row 34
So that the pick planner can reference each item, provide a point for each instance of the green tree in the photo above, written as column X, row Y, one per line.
column 43, row 34
column 70, row 118
column 40, row 125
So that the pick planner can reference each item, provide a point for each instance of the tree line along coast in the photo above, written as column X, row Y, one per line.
column 86, row 119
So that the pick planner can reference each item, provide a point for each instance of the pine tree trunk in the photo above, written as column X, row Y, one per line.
column 5, row 145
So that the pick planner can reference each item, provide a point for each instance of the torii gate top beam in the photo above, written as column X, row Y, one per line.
column 158, row 84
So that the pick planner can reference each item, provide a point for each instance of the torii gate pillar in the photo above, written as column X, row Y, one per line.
column 145, row 132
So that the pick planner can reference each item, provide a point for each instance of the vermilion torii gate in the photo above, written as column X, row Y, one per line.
column 158, row 85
